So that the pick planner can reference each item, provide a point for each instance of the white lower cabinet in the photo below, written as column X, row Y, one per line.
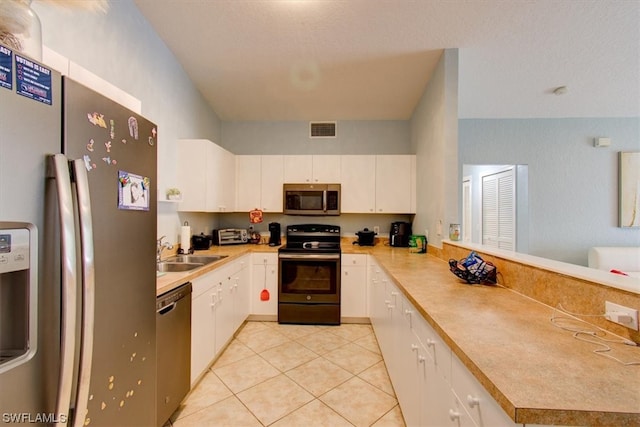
column 233, row 302
column 353, row 286
column 242, row 292
column 433, row 387
column 219, row 305
column 482, row 408
column 203, row 324
column 264, row 276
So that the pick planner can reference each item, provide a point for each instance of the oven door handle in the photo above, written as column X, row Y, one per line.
column 310, row 256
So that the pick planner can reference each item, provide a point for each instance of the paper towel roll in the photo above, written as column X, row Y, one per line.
column 185, row 238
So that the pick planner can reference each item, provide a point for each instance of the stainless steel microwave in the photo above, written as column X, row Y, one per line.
column 311, row 199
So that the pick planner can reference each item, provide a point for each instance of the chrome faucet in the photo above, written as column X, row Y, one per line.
column 160, row 247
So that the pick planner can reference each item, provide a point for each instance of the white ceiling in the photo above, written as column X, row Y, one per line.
column 371, row 59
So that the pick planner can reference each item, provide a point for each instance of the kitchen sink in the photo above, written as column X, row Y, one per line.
column 173, row 267
column 199, row 259
column 178, row 263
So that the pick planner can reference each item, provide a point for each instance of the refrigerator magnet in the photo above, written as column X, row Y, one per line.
column 133, row 127
column 109, row 161
column 90, row 145
column 97, row 119
column 87, row 163
column 133, row 192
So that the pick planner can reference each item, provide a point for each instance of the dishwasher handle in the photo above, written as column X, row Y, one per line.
column 167, row 308
column 165, row 303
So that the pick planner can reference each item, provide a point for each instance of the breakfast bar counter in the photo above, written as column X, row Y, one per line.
column 536, row 370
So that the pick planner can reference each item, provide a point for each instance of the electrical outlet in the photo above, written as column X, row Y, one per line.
column 621, row 315
column 376, row 229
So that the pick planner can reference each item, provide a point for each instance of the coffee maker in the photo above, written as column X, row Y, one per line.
column 399, row 234
column 274, row 234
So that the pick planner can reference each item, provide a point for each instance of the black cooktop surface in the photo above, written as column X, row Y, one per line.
column 312, row 238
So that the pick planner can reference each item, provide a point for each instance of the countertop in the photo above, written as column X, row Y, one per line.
column 168, row 281
column 537, row 372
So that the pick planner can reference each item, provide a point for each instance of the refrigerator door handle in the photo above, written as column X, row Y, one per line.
column 59, row 170
column 88, row 290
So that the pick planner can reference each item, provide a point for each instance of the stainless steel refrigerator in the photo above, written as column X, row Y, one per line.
column 78, row 173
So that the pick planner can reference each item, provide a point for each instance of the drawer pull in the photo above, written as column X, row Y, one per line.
column 421, row 359
column 454, row 415
column 431, row 343
column 414, row 347
column 407, row 311
column 472, row 401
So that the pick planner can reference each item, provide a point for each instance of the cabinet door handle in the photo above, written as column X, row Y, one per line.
column 421, row 359
column 472, row 401
column 431, row 343
column 414, row 347
column 454, row 415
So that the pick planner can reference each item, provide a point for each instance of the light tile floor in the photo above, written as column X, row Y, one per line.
column 295, row 375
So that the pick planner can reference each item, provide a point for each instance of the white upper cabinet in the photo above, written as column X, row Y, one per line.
column 326, row 169
column 206, row 176
column 192, row 174
column 312, row 169
column 213, row 179
column 248, row 183
column 378, row 184
column 358, row 190
column 395, row 183
column 259, row 183
column 271, row 185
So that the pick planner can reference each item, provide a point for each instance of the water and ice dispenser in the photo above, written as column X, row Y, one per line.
column 18, row 293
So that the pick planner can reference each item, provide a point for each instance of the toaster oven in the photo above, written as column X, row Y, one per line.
column 230, row 236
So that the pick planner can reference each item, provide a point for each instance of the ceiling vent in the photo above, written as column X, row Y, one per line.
column 322, row 129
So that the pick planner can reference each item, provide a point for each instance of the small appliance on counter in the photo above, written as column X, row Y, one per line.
column 274, row 234
column 230, row 236
column 254, row 236
column 365, row 238
column 200, row 242
column 399, row 234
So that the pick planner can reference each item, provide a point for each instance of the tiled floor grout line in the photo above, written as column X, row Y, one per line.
column 244, row 338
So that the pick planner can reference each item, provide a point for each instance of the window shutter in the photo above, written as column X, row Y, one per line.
column 498, row 210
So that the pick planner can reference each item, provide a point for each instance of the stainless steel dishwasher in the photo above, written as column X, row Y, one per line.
column 173, row 348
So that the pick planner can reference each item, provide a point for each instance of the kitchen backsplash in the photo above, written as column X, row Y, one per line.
column 349, row 223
